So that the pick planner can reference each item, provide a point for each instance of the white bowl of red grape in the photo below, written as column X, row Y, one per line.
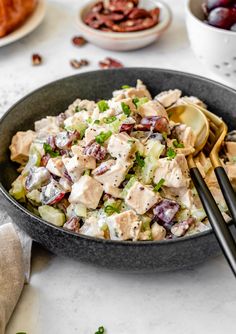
column 211, row 26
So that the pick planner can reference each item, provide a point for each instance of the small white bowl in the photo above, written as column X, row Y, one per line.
column 126, row 41
column 215, row 48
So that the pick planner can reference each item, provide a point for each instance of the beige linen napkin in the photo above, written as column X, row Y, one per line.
column 12, row 272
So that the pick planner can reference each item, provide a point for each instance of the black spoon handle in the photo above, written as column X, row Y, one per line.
column 219, row 226
column 227, row 191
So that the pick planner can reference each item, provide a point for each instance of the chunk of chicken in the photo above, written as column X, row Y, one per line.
column 80, row 105
column 158, row 231
column 91, row 228
column 56, row 166
column 112, row 172
column 86, row 191
column 167, row 98
column 190, row 99
column 20, row 146
column 113, row 191
column 139, row 91
column 141, row 198
column 152, row 108
column 76, row 165
column 124, row 226
column 121, row 146
column 231, row 150
column 185, row 135
column 174, row 172
column 47, row 125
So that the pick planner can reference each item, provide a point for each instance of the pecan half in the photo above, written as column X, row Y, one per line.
column 72, row 224
column 36, row 59
column 110, row 63
column 95, row 150
column 79, row 41
column 79, row 63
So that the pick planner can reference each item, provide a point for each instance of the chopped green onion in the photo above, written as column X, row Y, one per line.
column 125, row 86
column 48, row 149
column 110, row 209
column 97, row 121
column 159, row 185
column 110, row 119
column 125, row 108
column 77, row 109
column 171, row 154
column 102, row 137
column 103, row 105
column 87, row 172
column 135, row 101
column 139, row 160
column 89, row 120
column 141, row 101
column 177, row 144
column 101, row 330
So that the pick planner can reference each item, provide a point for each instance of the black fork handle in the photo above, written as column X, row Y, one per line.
column 227, row 191
column 219, row 226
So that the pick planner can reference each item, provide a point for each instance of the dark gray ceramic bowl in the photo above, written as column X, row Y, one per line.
column 53, row 99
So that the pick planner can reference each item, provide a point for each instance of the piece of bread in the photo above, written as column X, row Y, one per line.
column 13, row 13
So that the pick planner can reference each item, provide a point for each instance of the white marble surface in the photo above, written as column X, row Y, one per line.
column 69, row 297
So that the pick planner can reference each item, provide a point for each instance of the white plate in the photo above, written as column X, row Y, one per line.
column 32, row 22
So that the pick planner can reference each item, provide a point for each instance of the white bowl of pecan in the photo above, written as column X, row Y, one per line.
column 123, row 25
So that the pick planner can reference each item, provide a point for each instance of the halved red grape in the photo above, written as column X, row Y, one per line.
column 211, row 4
column 221, row 17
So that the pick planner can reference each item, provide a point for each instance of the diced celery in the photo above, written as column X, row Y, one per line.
column 151, row 161
column 141, row 101
column 128, row 186
column 34, row 196
column 78, row 126
column 34, row 159
column 80, row 210
column 76, row 210
column 146, row 223
column 52, row 215
column 18, row 189
column 199, row 214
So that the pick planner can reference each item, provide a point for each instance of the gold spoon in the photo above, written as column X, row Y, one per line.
column 196, row 119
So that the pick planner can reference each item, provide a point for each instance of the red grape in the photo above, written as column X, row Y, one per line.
column 211, row 4
column 221, row 17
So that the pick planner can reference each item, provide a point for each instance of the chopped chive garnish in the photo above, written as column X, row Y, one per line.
column 102, row 137
column 103, row 105
column 159, row 185
column 48, row 149
column 125, row 86
column 125, row 108
column 171, row 154
column 110, row 119
column 139, row 160
column 177, row 144
column 141, row 101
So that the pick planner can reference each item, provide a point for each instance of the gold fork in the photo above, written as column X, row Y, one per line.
column 217, row 132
